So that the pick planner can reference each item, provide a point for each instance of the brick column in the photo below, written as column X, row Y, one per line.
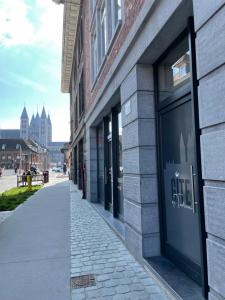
column 139, row 161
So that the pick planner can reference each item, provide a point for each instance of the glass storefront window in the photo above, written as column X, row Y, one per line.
column 100, row 153
column 120, row 145
column 174, row 70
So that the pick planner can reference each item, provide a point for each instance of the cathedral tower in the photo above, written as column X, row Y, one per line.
column 24, row 125
column 44, row 128
column 49, row 129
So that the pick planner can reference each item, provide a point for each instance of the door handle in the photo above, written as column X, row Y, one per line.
column 192, row 189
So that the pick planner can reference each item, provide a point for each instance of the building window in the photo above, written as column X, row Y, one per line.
column 117, row 11
column 103, row 29
column 92, row 6
column 75, row 114
column 94, row 54
column 106, row 18
column 174, row 70
column 80, row 39
column 81, row 96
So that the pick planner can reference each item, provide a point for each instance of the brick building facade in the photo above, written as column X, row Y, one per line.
column 146, row 88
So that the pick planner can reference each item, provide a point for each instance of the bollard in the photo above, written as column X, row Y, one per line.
column 29, row 182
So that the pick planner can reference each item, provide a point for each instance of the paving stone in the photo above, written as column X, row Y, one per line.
column 122, row 289
column 111, row 283
column 103, row 277
column 119, row 297
column 108, row 291
column 93, row 294
column 97, row 250
column 80, row 296
column 137, row 287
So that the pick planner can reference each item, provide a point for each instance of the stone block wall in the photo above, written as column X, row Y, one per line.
column 139, row 161
column 210, row 48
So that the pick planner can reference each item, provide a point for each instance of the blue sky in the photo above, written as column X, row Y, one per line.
column 30, row 63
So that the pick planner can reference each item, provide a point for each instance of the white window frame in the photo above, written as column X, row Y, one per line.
column 103, row 27
column 116, row 18
column 94, row 51
column 103, row 23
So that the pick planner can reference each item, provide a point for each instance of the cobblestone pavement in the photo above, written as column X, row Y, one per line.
column 96, row 249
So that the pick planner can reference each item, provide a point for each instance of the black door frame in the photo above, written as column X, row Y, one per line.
column 107, row 182
column 75, row 165
column 189, row 31
column 110, row 186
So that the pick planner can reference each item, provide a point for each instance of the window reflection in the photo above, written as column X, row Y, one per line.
column 174, row 70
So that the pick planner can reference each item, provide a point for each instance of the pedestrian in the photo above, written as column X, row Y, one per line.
column 24, row 179
column 64, row 169
column 0, row 172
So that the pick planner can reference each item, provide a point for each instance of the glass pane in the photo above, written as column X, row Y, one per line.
column 174, row 70
column 118, row 11
column 103, row 29
column 178, row 157
column 100, row 150
column 120, row 145
column 110, row 128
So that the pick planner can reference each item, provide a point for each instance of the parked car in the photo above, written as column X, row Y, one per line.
column 57, row 169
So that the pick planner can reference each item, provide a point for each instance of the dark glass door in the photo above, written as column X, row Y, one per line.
column 108, row 163
column 109, row 172
column 75, row 165
column 119, row 168
column 178, row 161
column 100, row 159
column 180, row 203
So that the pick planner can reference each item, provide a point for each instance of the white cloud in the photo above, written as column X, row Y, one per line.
column 61, row 130
column 51, row 24
column 29, row 82
column 9, row 124
column 17, row 29
column 52, row 69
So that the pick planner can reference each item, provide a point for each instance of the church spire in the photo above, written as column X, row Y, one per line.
column 49, row 119
column 24, row 114
column 43, row 114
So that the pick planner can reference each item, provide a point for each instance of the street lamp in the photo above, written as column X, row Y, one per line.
column 18, row 146
column 3, row 148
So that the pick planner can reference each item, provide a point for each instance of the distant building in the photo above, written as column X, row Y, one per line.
column 9, row 133
column 55, row 154
column 20, row 153
column 38, row 129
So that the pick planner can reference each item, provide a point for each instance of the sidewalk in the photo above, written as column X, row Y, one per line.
column 35, row 248
column 96, row 250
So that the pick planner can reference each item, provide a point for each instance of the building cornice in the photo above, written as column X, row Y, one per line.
column 70, row 22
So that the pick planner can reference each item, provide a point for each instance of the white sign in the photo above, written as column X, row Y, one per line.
column 127, row 108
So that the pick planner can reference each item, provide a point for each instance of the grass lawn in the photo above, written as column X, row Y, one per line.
column 10, row 199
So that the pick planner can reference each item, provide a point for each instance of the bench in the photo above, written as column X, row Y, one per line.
column 22, row 179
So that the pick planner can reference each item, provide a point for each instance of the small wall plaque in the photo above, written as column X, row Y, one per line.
column 127, row 108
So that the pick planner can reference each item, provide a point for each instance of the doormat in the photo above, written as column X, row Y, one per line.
column 83, row 281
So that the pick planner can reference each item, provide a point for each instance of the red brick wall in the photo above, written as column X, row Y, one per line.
column 131, row 11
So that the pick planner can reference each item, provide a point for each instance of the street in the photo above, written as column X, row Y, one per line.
column 7, row 182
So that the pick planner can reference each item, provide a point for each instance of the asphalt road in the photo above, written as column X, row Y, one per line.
column 7, row 182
